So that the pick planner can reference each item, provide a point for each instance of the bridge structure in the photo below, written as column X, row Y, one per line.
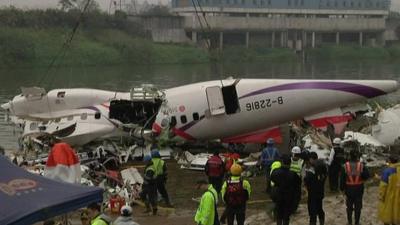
column 294, row 24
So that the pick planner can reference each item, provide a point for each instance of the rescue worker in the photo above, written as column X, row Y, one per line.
column 354, row 173
column 235, row 193
column 207, row 213
column 297, row 167
column 149, row 188
column 275, row 165
column 314, row 181
column 97, row 218
column 286, row 183
column 230, row 159
column 389, row 192
column 161, row 175
column 126, row 217
column 269, row 154
column 215, row 170
column 336, row 161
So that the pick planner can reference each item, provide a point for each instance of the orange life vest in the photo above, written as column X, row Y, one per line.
column 353, row 175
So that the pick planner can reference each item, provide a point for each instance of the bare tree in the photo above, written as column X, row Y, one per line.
column 67, row 5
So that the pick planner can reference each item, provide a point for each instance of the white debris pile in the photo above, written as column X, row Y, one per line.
column 386, row 130
column 193, row 162
column 371, row 149
column 363, row 139
column 317, row 143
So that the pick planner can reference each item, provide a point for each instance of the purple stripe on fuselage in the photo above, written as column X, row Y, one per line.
column 94, row 108
column 358, row 89
column 191, row 124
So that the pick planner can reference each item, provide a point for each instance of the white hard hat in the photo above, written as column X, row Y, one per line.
column 337, row 141
column 296, row 150
column 126, row 210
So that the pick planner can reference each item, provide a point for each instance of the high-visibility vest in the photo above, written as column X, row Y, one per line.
column 158, row 166
column 353, row 174
column 296, row 166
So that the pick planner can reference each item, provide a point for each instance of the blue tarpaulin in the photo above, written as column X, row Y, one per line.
column 27, row 198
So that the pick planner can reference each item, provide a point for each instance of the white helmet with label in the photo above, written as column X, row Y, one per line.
column 337, row 141
column 296, row 150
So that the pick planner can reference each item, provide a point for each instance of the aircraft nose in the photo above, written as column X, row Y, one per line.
column 386, row 86
column 6, row 106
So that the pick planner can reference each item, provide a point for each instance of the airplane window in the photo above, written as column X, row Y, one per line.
column 164, row 123
column 196, row 116
column 84, row 116
column 183, row 119
column 61, row 94
column 173, row 121
column 97, row 115
column 70, row 118
column 33, row 126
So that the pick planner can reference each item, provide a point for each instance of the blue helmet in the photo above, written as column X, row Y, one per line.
column 155, row 153
column 270, row 141
column 147, row 158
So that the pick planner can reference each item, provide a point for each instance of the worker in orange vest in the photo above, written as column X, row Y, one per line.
column 354, row 174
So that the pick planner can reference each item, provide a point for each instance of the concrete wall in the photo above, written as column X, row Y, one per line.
column 284, row 11
column 289, row 4
column 390, row 32
column 164, row 28
column 223, row 23
column 169, row 36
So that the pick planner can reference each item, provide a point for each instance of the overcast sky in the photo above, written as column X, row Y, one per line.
column 103, row 3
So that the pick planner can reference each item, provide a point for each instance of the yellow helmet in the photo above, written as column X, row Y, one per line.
column 236, row 169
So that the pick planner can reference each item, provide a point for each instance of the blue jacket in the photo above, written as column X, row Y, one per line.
column 269, row 155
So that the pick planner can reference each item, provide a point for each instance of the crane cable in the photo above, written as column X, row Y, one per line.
column 61, row 54
column 202, row 28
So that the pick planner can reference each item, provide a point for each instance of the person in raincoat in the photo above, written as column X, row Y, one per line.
column 389, row 193
column 207, row 213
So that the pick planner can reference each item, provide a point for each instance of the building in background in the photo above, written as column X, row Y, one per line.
column 294, row 24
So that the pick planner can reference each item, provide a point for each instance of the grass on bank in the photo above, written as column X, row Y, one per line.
column 38, row 47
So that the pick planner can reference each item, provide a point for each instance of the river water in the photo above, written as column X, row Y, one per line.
column 122, row 78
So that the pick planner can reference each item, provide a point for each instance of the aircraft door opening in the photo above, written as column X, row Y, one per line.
column 231, row 100
column 215, row 100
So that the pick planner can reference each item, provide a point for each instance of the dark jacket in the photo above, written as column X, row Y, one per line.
column 314, row 179
column 286, row 185
column 149, row 178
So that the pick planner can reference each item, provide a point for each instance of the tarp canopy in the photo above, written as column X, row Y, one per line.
column 27, row 198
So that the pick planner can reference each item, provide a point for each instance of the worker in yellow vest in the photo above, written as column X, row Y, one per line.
column 97, row 218
column 161, row 175
column 207, row 213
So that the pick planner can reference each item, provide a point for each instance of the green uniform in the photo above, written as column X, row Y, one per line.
column 98, row 221
column 205, row 214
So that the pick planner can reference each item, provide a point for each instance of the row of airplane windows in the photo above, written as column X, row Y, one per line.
column 183, row 119
column 367, row 4
column 83, row 116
